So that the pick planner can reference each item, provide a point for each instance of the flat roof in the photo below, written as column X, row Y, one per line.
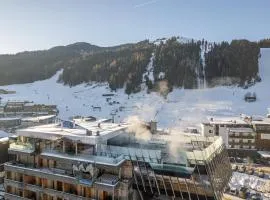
column 241, row 130
column 9, row 118
column 225, row 120
column 38, row 118
column 102, row 160
column 3, row 134
column 56, row 131
column 265, row 121
column 264, row 154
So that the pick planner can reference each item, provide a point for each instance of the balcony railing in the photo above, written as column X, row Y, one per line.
column 242, row 136
column 83, row 157
column 36, row 188
column 47, row 173
column 107, row 182
column 14, row 197
column 65, row 195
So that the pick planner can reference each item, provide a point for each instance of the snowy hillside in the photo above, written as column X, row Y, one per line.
column 181, row 108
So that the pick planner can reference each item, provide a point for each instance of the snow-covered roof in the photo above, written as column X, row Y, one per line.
column 100, row 132
column 265, row 121
column 102, row 160
column 264, row 154
column 9, row 118
column 225, row 120
column 38, row 118
column 241, row 130
column 3, row 134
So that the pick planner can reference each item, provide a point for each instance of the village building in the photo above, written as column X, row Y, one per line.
column 4, row 153
column 243, row 136
column 102, row 160
column 23, row 108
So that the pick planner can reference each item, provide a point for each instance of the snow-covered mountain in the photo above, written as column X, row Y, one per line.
column 182, row 107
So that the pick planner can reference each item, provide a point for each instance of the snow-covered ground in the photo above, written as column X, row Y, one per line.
column 253, row 183
column 244, row 180
column 181, row 107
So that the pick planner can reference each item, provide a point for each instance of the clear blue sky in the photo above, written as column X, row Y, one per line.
column 41, row 24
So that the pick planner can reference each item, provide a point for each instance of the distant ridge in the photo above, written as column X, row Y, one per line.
column 183, row 62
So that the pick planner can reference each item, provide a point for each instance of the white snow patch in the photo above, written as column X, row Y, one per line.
column 150, row 69
column 239, row 180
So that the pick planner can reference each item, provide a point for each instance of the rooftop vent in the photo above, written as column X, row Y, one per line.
column 153, row 127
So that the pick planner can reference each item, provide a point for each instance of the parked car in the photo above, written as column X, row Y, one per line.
column 232, row 160
column 250, row 171
column 261, row 173
column 234, row 167
column 242, row 169
column 239, row 160
column 243, row 192
column 233, row 191
column 256, row 196
column 266, row 195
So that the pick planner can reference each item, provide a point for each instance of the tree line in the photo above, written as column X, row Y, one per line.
column 118, row 68
column 182, row 64
column 237, row 60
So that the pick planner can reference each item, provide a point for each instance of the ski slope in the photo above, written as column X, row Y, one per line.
column 181, row 108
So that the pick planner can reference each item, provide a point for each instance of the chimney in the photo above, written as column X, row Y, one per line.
column 153, row 127
column 88, row 132
column 97, row 134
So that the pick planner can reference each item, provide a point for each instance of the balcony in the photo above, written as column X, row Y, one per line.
column 21, row 185
column 241, row 142
column 48, row 173
column 64, row 195
column 9, row 196
column 242, row 136
column 107, row 182
column 35, row 188
column 21, row 147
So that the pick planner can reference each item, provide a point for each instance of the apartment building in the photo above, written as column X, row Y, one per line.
column 243, row 136
column 102, row 160
column 4, row 153
column 12, row 108
column 262, row 128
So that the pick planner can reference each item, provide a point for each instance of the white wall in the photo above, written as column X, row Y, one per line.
column 207, row 130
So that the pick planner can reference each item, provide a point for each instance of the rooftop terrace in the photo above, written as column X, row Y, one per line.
column 225, row 120
column 84, row 132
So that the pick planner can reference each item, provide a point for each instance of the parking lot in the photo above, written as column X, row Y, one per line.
column 250, row 181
